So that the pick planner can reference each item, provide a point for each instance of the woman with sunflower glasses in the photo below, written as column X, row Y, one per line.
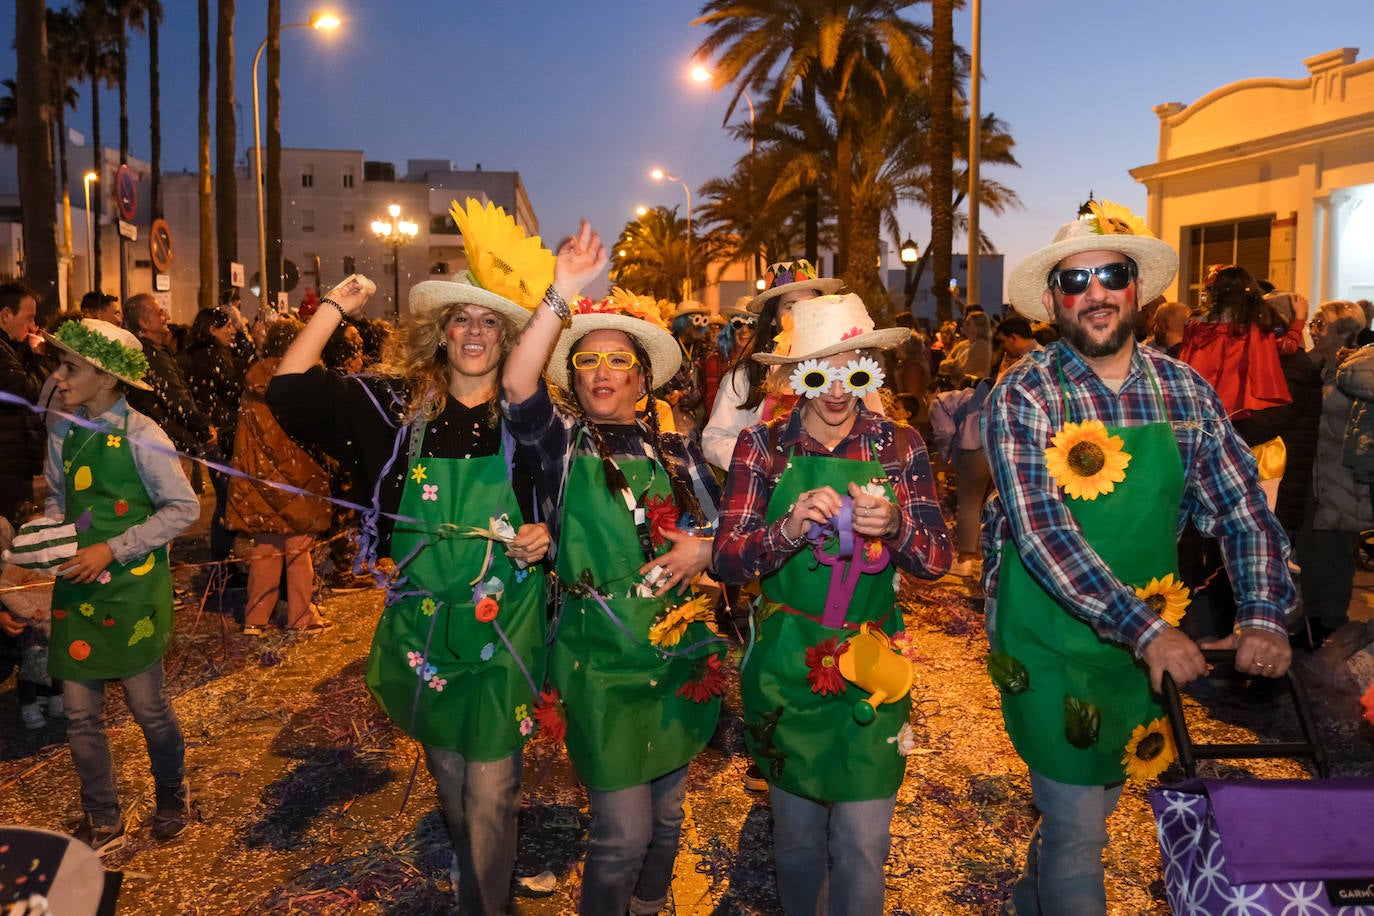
column 826, row 474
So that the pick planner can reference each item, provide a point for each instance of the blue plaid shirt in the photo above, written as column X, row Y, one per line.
column 1221, row 493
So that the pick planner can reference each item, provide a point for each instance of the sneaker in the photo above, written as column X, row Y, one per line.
column 753, row 779
column 102, row 838
column 172, row 813
column 54, row 708
column 32, row 714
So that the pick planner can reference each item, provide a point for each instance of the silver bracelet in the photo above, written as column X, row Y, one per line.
column 782, row 531
column 343, row 316
column 557, row 304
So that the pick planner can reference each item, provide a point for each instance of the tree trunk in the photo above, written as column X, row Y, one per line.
column 942, row 153
column 32, row 130
column 844, row 197
column 226, row 138
column 97, row 166
column 122, row 79
column 864, row 277
column 154, row 112
column 812, row 195
column 272, row 165
column 205, row 297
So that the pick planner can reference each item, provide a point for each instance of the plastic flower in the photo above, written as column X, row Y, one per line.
column 1085, row 461
column 86, row 609
column 824, row 662
column 874, row 376
column 811, row 378
column 488, row 651
column 415, row 659
column 905, row 739
column 549, row 713
column 427, row 672
column 872, row 550
column 438, row 683
column 667, row 630
column 782, row 341
column 427, row 606
column 522, row 711
column 1149, row 752
column 104, row 577
column 663, row 515
column 418, row 473
column 1113, row 219
column 709, row 681
column 487, row 609
column 902, row 643
column 526, row 725
column 431, row 492
column 1167, row 597
column 113, row 441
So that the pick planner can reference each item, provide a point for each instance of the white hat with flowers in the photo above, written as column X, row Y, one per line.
column 638, row 316
column 827, row 325
column 106, row 346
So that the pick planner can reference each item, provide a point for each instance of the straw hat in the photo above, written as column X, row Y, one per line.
column 786, row 276
column 739, row 310
column 1111, row 227
column 622, row 310
column 429, row 298
column 828, row 325
column 689, row 307
column 108, row 347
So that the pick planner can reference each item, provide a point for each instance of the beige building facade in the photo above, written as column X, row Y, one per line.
column 1276, row 175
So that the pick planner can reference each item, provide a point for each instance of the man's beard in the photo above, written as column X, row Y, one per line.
column 1078, row 337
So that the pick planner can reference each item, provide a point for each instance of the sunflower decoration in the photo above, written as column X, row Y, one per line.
column 811, row 378
column 636, row 306
column 1167, row 597
column 1085, row 461
column 1150, row 751
column 1113, row 219
column 782, row 341
column 501, row 258
column 668, row 629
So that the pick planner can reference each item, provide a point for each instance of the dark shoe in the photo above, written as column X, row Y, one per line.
column 102, row 838
column 172, row 813
column 753, row 779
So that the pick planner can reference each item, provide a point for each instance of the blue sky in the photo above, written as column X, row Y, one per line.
column 584, row 98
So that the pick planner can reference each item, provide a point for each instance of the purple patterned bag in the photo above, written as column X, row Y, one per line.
column 1267, row 847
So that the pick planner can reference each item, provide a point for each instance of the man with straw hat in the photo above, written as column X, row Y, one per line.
column 1100, row 450
column 829, row 470
column 115, row 475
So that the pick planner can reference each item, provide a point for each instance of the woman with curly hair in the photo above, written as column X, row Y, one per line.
column 458, row 655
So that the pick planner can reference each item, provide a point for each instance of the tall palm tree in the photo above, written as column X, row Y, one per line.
column 650, row 256
column 154, row 20
column 205, row 297
column 226, row 138
column 942, row 152
column 124, row 15
column 97, row 49
column 272, row 188
column 36, row 198
column 64, row 69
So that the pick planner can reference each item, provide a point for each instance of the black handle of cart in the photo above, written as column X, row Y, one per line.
column 1189, row 753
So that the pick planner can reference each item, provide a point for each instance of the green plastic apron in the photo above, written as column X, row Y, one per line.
column 627, row 724
column 120, row 626
column 805, row 742
column 443, row 676
column 1134, row 530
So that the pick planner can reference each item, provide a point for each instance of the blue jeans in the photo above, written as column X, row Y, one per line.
column 85, row 704
column 829, row 855
column 481, row 804
column 632, row 845
column 1064, row 872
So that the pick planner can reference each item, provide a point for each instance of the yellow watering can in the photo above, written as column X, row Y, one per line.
column 870, row 664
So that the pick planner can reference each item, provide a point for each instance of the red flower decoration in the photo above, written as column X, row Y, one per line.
column 662, row 514
column 852, row 332
column 872, row 549
column 549, row 713
column 487, row 609
column 709, row 682
column 824, row 662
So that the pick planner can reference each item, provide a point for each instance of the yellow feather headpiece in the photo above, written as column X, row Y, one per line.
column 501, row 258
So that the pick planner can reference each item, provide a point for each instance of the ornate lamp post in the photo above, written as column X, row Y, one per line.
column 910, row 254
column 660, row 175
column 395, row 233
column 90, row 243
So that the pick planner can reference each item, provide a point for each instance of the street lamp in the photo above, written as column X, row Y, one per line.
column 317, row 21
column 660, row 175
column 90, row 243
column 395, row 233
column 910, row 254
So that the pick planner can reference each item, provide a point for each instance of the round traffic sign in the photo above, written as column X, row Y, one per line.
column 126, row 190
column 160, row 245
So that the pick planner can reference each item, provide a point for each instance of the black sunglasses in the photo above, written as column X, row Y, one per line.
column 1073, row 280
column 743, row 322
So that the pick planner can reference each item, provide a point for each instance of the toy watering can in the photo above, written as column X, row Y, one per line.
column 847, row 564
column 871, row 664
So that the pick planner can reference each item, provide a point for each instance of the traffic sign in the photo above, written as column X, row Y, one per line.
column 126, row 192
column 160, row 245
column 128, row 230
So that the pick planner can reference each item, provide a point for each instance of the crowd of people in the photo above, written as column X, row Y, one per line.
column 573, row 506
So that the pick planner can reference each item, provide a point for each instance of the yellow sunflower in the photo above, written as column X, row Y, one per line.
column 1167, row 597
column 1150, row 751
column 1085, row 461
column 1113, row 219
column 667, row 630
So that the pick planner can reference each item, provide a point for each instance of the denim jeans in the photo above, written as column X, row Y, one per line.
column 632, row 845
column 1064, row 872
column 481, row 803
column 829, row 856
column 90, row 747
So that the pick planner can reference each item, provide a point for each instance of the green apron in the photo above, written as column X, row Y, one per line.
column 1134, row 530
column 805, row 742
column 627, row 723
column 443, row 676
column 123, row 625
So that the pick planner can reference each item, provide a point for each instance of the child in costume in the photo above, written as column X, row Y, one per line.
column 115, row 476
column 25, row 615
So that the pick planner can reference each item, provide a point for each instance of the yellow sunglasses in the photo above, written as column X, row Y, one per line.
column 620, row 360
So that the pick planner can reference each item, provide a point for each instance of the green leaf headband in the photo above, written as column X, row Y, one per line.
column 110, row 355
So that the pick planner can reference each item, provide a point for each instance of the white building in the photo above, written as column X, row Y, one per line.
column 1276, row 175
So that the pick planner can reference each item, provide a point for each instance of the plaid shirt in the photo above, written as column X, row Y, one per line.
column 748, row 548
column 1221, row 494
column 551, row 438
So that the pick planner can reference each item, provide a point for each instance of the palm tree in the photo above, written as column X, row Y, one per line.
column 650, row 256
column 36, row 199
column 272, row 187
column 226, row 138
column 124, row 15
column 64, row 69
column 154, row 15
column 206, row 295
column 96, row 43
column 942, row 152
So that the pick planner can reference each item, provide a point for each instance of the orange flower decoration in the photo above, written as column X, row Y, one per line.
column 824, row 662
column 548, row 712
column 709, row 682
column 487, row 609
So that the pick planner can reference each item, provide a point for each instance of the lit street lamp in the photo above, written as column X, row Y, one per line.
column 660, row 175
column 395, row 233
column 910, row 253
column 90, row 243
column 317, row 21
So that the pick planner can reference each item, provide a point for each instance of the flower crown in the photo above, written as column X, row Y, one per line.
column 621, row 302
column 1110, row 218
column 102, row 352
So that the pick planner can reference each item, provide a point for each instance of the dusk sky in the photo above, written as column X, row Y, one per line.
column 584, row 98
